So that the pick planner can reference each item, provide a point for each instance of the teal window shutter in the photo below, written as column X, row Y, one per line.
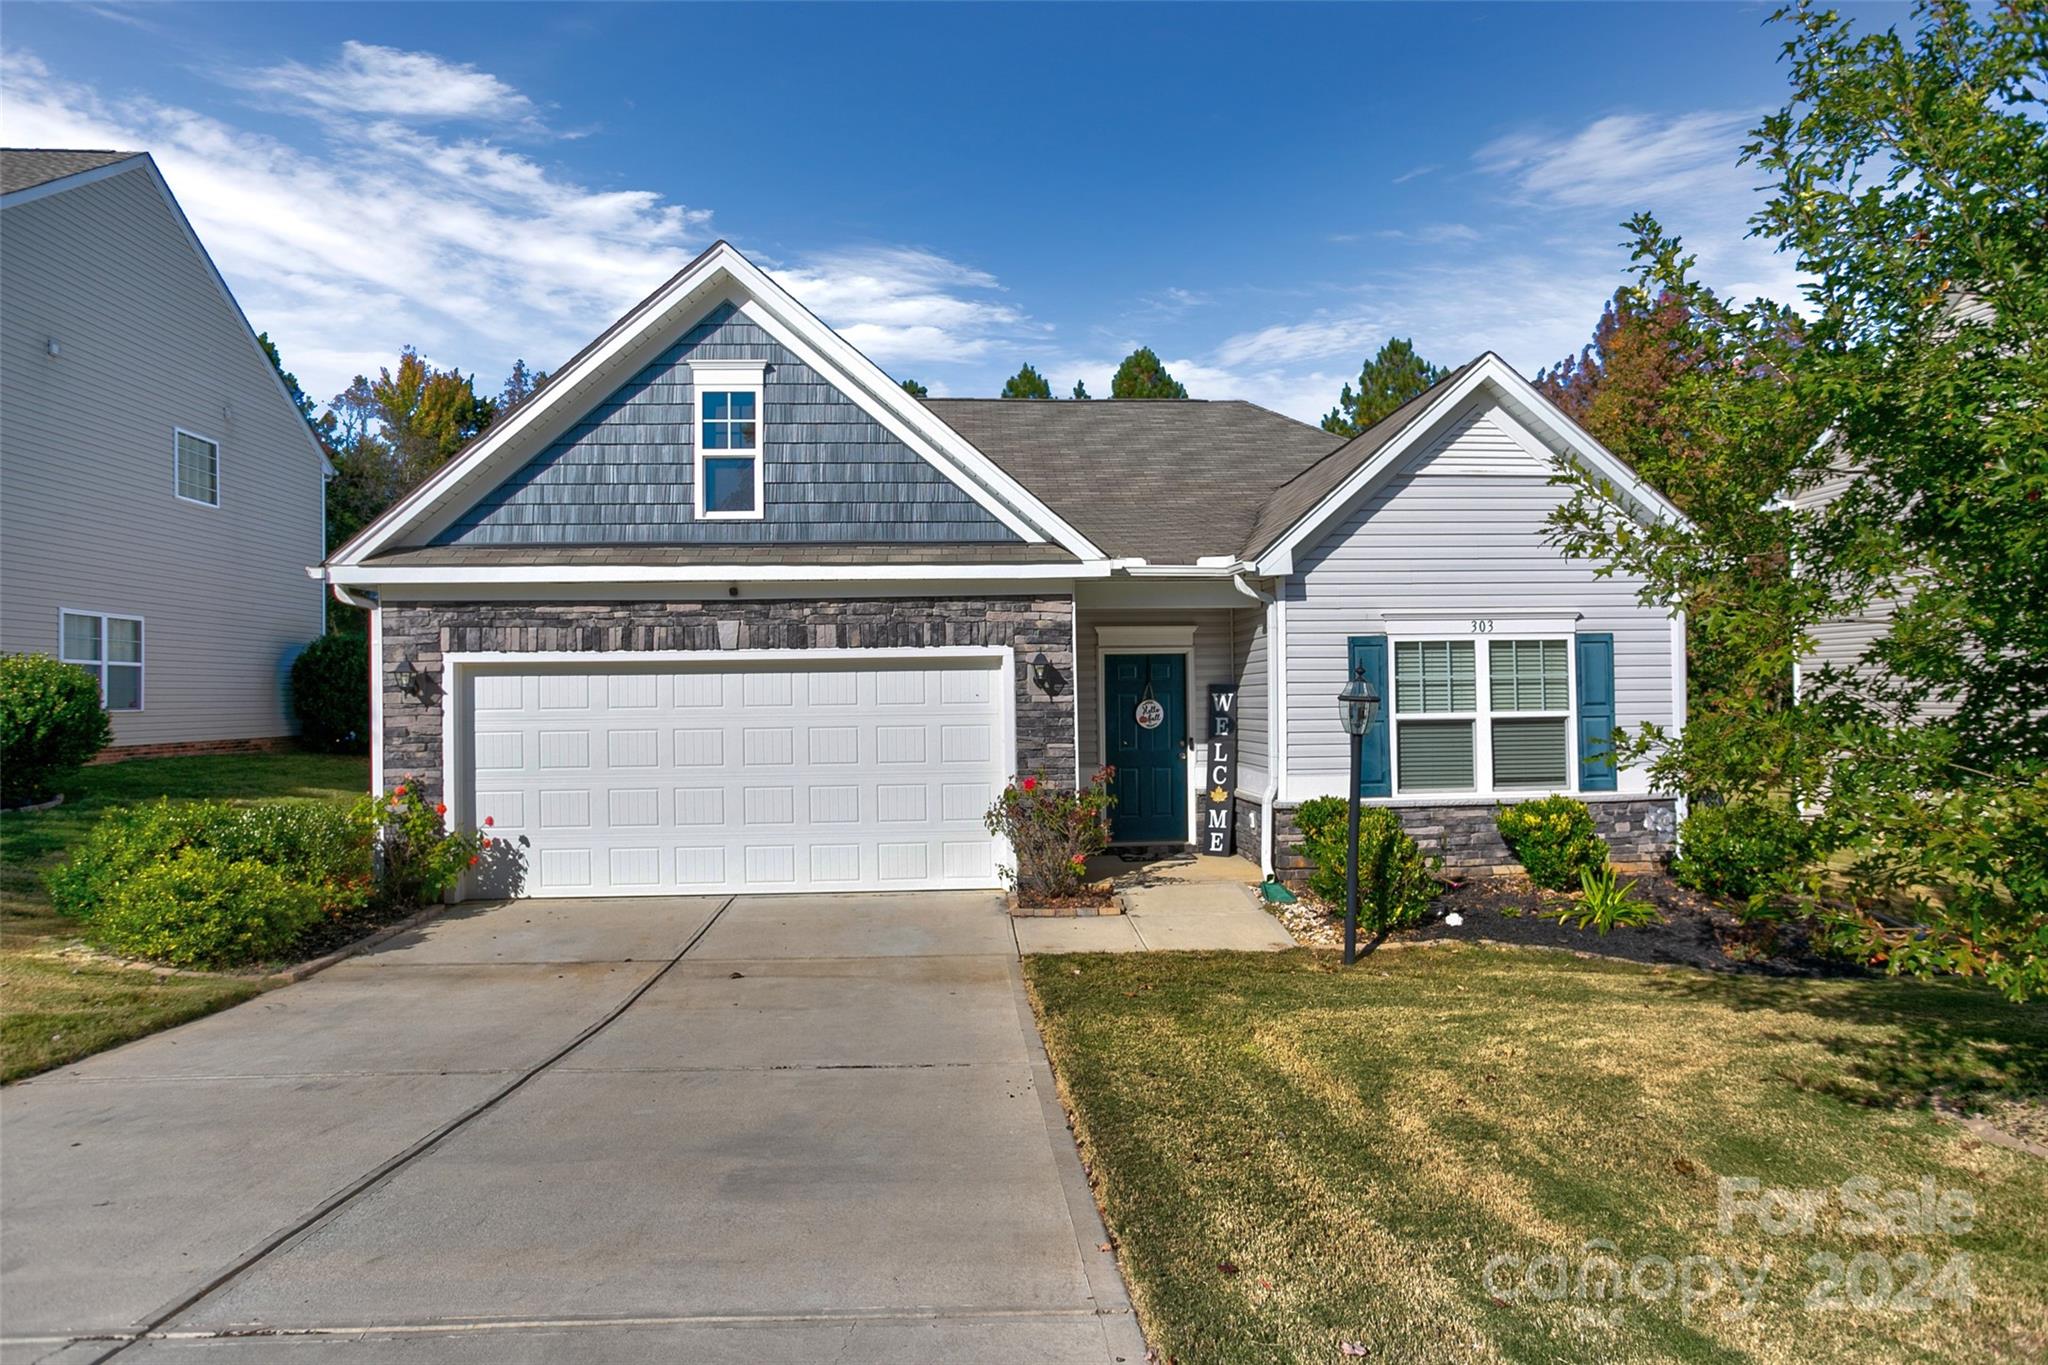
column 1596, row 712
column 1375, row 772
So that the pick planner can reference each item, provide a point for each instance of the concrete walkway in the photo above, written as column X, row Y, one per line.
column 770, row 1128
column 1208, row 913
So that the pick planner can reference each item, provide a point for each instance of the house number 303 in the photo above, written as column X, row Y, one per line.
column 1482, row 627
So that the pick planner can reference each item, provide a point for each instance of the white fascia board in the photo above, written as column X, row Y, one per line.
column 370, row 575
column 1530, row 408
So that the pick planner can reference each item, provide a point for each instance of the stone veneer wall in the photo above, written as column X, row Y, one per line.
column 425, row 632
column 1640, row 830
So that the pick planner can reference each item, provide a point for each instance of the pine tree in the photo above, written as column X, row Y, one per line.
column 1388, row 380
column 1027, row 383
column 520, row 385
column 915, row 389
column 1142, row 376
column 1080, row 390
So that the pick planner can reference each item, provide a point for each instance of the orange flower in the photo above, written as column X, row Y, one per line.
column 441, row 809
column 399, row 790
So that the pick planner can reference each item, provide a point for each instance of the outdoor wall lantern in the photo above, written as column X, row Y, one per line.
column 1045, row 675
column 415, row 684
column 1358, row 706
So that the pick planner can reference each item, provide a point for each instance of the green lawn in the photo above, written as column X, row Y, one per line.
column 54, row 1010
column 1294, row 1157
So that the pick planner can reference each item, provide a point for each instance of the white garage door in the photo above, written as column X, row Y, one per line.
column 776, row 776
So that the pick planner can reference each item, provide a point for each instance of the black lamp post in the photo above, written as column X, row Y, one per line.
column 1357, row 707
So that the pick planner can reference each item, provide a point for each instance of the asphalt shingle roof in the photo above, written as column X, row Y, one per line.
column 27, row 167
column 1165, row 480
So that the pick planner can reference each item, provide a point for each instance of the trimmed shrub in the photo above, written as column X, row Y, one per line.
column 1052, row 833
column 200, row 909
column 51, row 721
column 331, row 693
column 1747, row 849
column 1554, row 840
column 1396, row 879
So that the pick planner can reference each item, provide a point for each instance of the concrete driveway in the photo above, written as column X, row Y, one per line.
column 706, row 1129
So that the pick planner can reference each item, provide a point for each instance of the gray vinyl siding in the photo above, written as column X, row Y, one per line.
column 624, row 474
column 1457, row 531
column 87, row 518
column 1254, row 718
column 1214, row 661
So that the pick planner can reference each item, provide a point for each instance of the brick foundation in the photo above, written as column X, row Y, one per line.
column 195, row 748
column 426, row 632
column 1639, row 830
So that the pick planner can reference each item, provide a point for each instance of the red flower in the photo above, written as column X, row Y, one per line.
column 488, row 822
column 472, row 862
column 399, row 790
column 1029, row 784
column 441, row 809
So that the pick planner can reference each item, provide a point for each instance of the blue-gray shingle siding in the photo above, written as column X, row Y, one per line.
column 622, row 474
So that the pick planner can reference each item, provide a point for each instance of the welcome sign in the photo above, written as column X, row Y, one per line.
column 1219, row 837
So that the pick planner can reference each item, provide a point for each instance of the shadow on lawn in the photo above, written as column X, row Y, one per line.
column 1951, row 1041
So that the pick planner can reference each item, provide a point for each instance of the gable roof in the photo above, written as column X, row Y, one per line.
column 24, row 168
column 720, row 274
column 1169, row 481
column 1300, row 513
column 29, row 174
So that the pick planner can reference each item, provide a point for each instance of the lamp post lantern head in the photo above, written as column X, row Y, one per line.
column 1358, row 706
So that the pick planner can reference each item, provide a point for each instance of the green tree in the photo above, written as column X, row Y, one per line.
column 520, row 385
column 1392, row 377
column 1080, row 390
column 304, row 404
column 385, row 434
column 1891, row 444
column 1142, row 376
column 1026, row 383
column 915, row 389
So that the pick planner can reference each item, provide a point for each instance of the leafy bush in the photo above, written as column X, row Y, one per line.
column 419, row 858
column 199, row 908
column 1747, row 848
column 1605, row 903
column 1396, row 879
column 331, row 693
column 51, row 721
column 1553, row 839
column 1052, row 833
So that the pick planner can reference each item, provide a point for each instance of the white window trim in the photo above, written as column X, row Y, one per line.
column 177, row 455
column 730, row 376
column 1482, row 717
column 141, row 666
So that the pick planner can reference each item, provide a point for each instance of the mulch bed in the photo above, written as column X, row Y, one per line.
column 344, row 927
column 1696, row 931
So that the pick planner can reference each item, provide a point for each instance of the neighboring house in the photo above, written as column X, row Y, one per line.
column 160, row 495
column 724, row 609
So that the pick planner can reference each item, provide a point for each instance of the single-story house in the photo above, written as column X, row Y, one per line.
column 724, row 608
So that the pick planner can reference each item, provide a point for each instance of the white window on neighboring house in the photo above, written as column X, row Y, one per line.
column 731, row 480
column 197, row 473
column 109, row 648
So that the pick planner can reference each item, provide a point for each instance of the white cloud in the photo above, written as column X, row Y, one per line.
column 1432, row 234
column 901, row 305
column 372, row 233
column 1625, row 161
column 1415, row 174
column 386, row 82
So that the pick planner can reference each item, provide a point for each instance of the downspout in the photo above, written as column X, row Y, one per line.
column 1272, row 788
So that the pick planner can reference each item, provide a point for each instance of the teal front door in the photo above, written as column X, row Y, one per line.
column 1145, row 735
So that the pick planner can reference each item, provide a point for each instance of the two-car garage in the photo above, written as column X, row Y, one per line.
column 773, row 771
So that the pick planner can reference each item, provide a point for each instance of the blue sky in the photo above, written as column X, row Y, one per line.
column 1262, row 194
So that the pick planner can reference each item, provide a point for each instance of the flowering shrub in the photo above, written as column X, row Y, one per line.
column 1052, row 832
column 419, row 858
column 1553, row 839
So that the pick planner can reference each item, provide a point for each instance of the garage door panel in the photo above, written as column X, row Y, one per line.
column 650, row 779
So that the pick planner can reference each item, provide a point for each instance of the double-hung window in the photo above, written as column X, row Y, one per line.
column 196, row 468
column 1529, row 697
column 109, row 648
column 731, row 482
column 1482, row 715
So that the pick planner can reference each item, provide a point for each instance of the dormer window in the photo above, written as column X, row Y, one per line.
column 731, row 483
